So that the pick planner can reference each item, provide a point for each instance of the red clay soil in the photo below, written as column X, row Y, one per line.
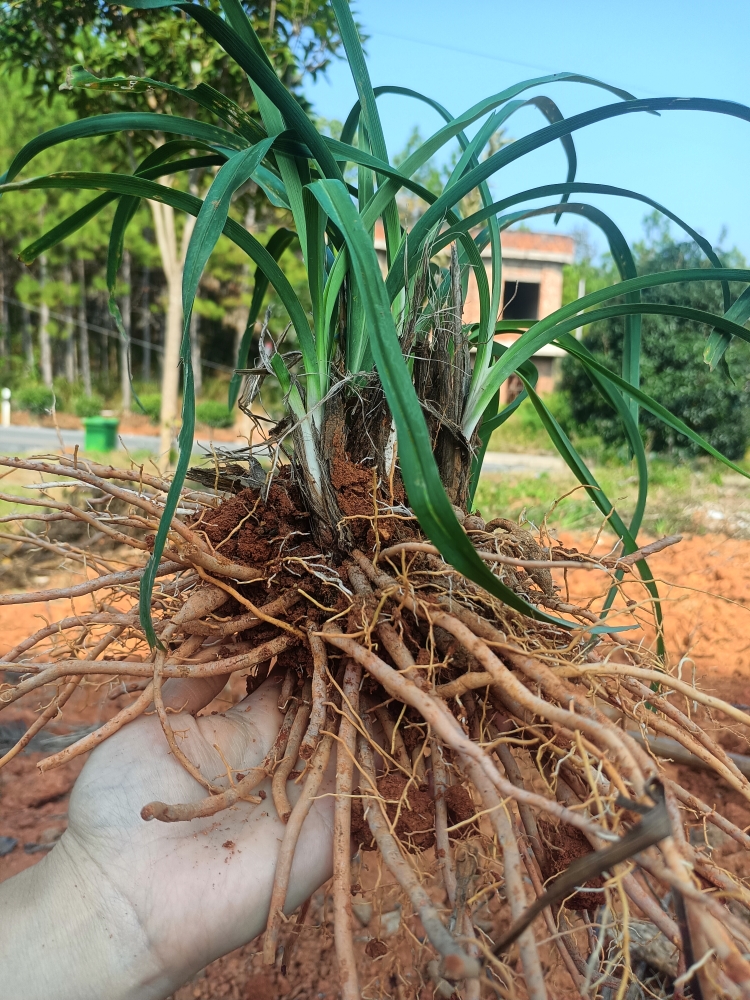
column 707, row 614
column 704, row 582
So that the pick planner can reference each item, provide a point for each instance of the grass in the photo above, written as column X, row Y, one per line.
column 685, row 497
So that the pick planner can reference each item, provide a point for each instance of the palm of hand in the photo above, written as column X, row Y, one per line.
column 193, row 890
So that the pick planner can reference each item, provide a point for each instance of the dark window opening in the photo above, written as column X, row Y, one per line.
column 520, row 300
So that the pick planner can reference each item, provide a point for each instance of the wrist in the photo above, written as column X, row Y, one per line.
column 72, row 936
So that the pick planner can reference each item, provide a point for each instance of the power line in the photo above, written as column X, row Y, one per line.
column 484, row 55
column 107, row 333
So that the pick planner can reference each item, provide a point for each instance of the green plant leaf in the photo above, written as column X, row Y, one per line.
column 87, row 128
column 277, row 244
column 492, row 419
column 426, row 494
column 141, row 187
column 79, row 219
column 718, row 342
column 584, row 476
column 540, row 333
column 521, row 147
column 260, row 71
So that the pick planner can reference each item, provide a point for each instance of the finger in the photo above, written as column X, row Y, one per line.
column 247, row 731
column 183, row 695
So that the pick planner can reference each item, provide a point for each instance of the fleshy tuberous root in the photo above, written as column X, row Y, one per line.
column 284, row 861
column 342, row 825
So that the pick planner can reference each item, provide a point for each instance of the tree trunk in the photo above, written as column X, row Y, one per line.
column 146, row 325
column 69, row 339
column 27, row 340
column 126, row 313
column 102, row 319
column 83, row 330
column 4, row 324
column 45, row 347
column 195, row 351
column 172, row 261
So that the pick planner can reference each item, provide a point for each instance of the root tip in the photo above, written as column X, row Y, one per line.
column 151, row 810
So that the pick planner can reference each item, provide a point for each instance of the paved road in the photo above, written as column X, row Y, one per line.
column 19, row 440
column 506, row 461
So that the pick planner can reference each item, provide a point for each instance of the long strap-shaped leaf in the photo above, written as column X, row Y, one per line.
column 418, row 468
column 209, row 226
column 262, row 73
column 78, row 219
column 623, row 259
column 580, row 470
column 142, row 188
column 275, row 246
column 79, row 78
column 370, row 113
column 541, row 333
column 578, row 187
column 492, row 419
column 650, row 404
column 129, row 121
column 534, row 141
column 615, row 399
column 738, row 312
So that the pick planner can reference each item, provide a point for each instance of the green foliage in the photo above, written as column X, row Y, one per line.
column 45, row 39
column 214, row 414
column 672, row 365
column 37, row 399
column 351, row 324
column 88, row 406
column 151, row 402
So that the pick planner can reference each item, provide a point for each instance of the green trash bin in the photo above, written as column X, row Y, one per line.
column 101, row 433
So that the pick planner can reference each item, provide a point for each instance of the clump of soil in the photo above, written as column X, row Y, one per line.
column 565, row 844
column 415, row 808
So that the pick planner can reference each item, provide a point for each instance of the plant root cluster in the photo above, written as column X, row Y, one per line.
column 478, row 753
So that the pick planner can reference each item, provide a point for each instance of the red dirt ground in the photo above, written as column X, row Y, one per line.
column 707, row 615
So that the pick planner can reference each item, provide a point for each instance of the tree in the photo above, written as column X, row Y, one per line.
column 44, row 40
column 713, row 403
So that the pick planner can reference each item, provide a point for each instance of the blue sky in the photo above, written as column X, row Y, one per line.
column 696, row 164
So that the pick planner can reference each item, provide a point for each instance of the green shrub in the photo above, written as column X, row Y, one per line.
column 214, row 413
column 713, row 403
column 88, row 406
column 151, row 402
column 37, row 399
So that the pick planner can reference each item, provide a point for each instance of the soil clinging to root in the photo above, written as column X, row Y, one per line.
column 480, row 753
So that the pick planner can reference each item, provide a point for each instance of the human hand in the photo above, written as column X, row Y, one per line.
column 135, row 908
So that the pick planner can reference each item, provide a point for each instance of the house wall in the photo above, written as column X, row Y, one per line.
column 534, row 258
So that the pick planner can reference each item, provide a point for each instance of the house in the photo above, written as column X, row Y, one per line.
column 532, row 289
